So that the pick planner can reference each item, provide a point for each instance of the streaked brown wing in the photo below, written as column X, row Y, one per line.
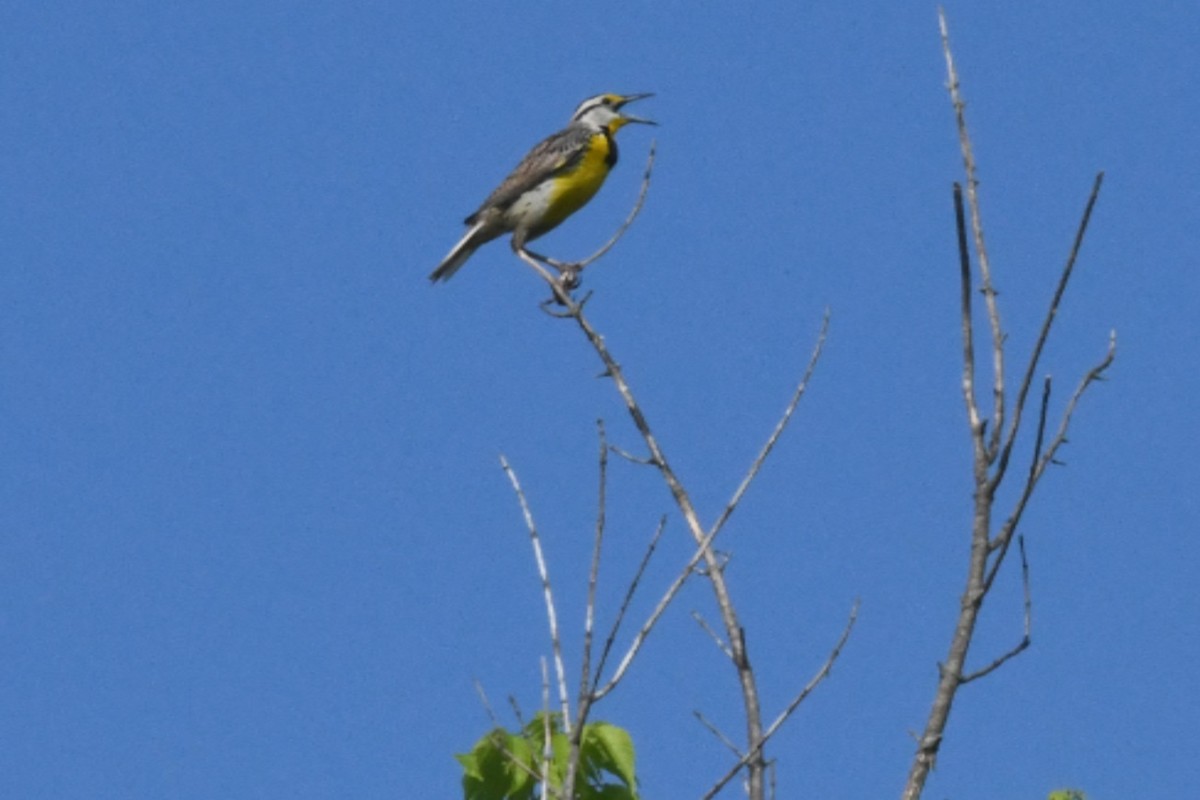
column 549, row 156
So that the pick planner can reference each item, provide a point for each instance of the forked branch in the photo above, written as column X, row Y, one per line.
column 992, row 452
column 791, row 707
column 713, row 566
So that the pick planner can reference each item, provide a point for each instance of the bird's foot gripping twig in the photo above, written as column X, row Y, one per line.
column 569, row 277
column 561, row 285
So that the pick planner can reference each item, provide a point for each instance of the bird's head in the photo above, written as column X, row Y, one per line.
column 604, row 111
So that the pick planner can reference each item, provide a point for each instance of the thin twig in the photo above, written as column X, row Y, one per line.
column 585, row 688
column 584, row 700
column 1026, row 640
column 630, row 457
column 633, row 214
column 985, row 269
column 487, row 706
column 821, row 675
column 1093, row 375
column 779, row 427
column 1047, row 323
column 1040, row 438
column 621, row 615
column 548, row 594
column 968, row 327
column 720, row 643
column 516, row 709
column 715, row 731
column 1002, row 540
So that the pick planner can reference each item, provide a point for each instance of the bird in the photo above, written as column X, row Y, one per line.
column 554, row 180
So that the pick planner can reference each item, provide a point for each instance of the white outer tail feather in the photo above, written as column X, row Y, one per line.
column 458, row 254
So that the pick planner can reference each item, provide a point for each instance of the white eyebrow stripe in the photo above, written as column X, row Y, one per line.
column 592, row 104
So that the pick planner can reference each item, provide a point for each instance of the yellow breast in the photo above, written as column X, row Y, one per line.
column 571, row 190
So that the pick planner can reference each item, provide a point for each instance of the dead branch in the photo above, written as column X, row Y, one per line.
column 779, row 428
column 716, row 637
column 599, row 691
column 991, row 452
column 585, row 685
column 1044, row 334
column 821, row 675
column 1026, row 640
column 985, row 268
column 715, row 731
column 548, row 594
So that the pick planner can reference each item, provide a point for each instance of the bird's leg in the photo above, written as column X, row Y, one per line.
column 568, row 277
column 519, row 238
column 568, row 271
column 561, row 266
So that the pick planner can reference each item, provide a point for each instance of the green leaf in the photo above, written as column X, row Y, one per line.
column 1067, row 794
column 490, row 771
column 503, row 765
column 610, row 748
column 521, row 784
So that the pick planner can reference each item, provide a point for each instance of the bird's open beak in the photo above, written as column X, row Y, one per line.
column 629, row 98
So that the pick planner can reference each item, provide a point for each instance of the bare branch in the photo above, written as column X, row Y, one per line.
column 724, row 648
column 516, row 709
column 715, row 731
column 630, row 457
column 596, row 694
column 1063, row 279
column 968, row 330
column 687, row 510
column 779, row 428
column 821, row 675
column 633, row 214
column 1002, row 540
column 551, row 614
column 1094, row 375
column 1043, row 414
column 585, row 687
column 985, row 269
column 1047, row 458
column 487, row 706
column 987, row 553
column 1026, row 640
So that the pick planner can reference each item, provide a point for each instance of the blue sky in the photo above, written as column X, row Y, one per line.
column 254, row 537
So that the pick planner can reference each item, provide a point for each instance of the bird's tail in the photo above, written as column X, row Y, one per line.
column 459, row 254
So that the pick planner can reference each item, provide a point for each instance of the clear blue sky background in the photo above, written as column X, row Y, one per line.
column 254, row 539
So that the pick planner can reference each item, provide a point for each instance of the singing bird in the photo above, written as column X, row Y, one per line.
column 556, row 179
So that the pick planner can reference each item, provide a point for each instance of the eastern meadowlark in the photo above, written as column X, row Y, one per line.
column 557, row 178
